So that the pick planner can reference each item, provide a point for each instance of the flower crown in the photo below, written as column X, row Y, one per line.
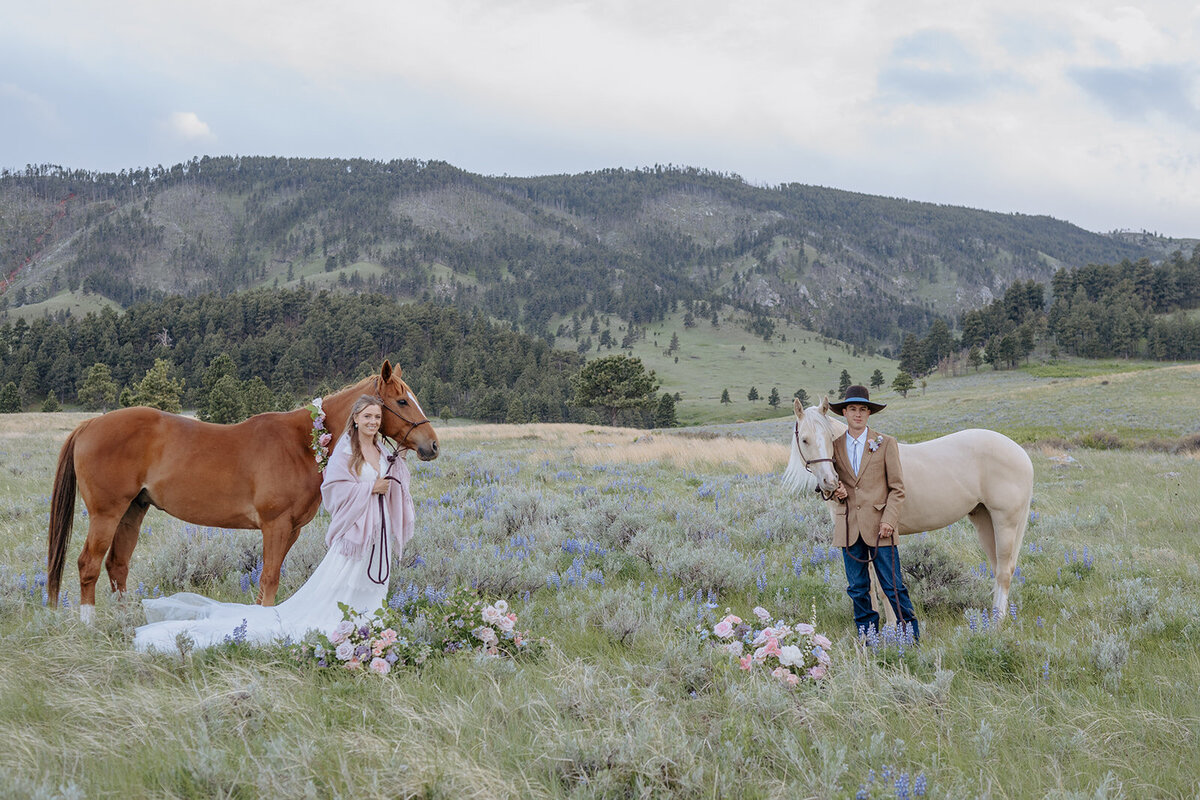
column 321, row 438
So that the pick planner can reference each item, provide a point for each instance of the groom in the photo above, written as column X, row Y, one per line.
column 870, row 494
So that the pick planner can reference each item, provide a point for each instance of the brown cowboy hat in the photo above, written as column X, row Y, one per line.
column 857, row 394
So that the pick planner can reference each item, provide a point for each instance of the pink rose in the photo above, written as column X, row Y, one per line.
column 792, row 679
column 778, row 672
column 771, row 648
column 380, row 667
column 734, row 649
column 817, row 672
column 732, row 620
column 804, row 629
column 746, row 661
column 723, row 629
column 325, row 439
column 819, row 639
column 353, row 663
column 762, row 614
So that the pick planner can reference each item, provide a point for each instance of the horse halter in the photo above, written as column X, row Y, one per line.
column 808, row 463
column 412, row 426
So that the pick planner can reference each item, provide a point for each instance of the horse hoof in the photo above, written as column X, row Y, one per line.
column 87, row 614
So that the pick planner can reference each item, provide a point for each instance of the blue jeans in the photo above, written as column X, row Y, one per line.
column 887, row 566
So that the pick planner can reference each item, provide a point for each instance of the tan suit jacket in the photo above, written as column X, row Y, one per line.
column 874, row 496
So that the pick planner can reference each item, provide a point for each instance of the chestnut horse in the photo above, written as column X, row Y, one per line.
column 978, row 474
column 260, row 473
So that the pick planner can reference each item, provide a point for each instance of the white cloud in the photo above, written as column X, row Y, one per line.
column 188, row 125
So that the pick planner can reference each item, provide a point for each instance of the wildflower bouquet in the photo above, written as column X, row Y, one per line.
column 376, row 643
column 473, row 625
column 789, row 652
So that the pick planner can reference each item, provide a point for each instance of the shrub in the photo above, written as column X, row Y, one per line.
column 939, row 581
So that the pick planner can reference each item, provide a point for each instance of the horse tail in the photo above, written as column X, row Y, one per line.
column 62, row 516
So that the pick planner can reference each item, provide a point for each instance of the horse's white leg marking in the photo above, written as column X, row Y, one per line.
column 87, row 614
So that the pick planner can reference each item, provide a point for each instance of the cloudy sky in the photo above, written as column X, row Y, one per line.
column 1086, row 111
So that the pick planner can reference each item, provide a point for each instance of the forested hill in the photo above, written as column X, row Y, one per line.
column 630, row 243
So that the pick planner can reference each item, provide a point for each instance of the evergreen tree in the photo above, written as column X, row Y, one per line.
column 877, row 379
column 51, row 404
column 257, row 396
column 902, row 383
column 222, row 366
column 752, row 395
column 615, row 383
column 664, row 412
column 802, row 396
column 10, row 400
column 158, row 389
column 912, row 357
column 725, row 397
column 773, row 397
column 225, row 402
column 844, row 381
column 127, row 398
column 98, row 392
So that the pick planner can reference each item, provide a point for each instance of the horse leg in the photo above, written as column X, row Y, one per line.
column 1008, row 534
column 877, row 593
column 101, row 530
column 125, row 539
column 278, row 537
column 981, row 518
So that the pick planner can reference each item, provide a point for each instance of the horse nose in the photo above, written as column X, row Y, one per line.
column 431, row 452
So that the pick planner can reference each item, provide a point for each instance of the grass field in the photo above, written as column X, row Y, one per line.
column 615, row 545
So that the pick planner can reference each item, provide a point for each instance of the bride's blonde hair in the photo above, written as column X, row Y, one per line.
column 351, row 430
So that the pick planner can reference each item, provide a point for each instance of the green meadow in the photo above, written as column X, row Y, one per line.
column 620, row 548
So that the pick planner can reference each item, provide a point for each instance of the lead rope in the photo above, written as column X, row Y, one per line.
column 384, row 562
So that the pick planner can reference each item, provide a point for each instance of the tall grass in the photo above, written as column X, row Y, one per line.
column 615, row 546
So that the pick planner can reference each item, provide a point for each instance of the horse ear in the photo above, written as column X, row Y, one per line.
column 824, row 405
column 387, row 370
column 798, row 406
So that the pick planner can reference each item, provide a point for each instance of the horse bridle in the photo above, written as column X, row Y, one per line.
column 808, row 464
column 412, row 426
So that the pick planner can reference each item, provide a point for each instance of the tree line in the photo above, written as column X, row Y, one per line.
column 279, row 347
column 1131, row 309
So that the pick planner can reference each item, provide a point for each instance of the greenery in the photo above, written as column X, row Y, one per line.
column 617, row 385
column 617, row 561
column 257, row 351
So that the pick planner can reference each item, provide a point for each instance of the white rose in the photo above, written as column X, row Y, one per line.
column 791, row 656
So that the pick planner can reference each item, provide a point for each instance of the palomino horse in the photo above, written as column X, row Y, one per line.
column 979, row 474
column 261, row 473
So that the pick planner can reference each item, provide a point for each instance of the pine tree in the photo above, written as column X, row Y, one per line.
column 158, row 389
column 225, row 402
column 844, row 382
column 802, row 396
column 10, row 400
column 752, row 395
column 257, row 396
column 725, row 397
column 98, row 392
column 664, row 412
column 902, row 383
column 773, row 397
column 51, row 405
column 877, row 379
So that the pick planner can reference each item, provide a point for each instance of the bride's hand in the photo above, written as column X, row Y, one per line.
column 380, row 487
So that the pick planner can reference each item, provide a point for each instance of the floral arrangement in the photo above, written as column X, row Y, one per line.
column 413, row 633
column 371, row 643
column 873, row 444
column 321, row 438
column 789, row 652
column 489, row 629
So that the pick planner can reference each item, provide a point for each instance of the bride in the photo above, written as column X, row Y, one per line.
column 370, row 517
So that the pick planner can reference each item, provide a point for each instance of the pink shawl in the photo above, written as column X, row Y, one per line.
column 355, row 510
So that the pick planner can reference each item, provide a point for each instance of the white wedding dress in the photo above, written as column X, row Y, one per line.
column 339, row 578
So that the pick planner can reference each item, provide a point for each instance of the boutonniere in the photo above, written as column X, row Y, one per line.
column 873, row 444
